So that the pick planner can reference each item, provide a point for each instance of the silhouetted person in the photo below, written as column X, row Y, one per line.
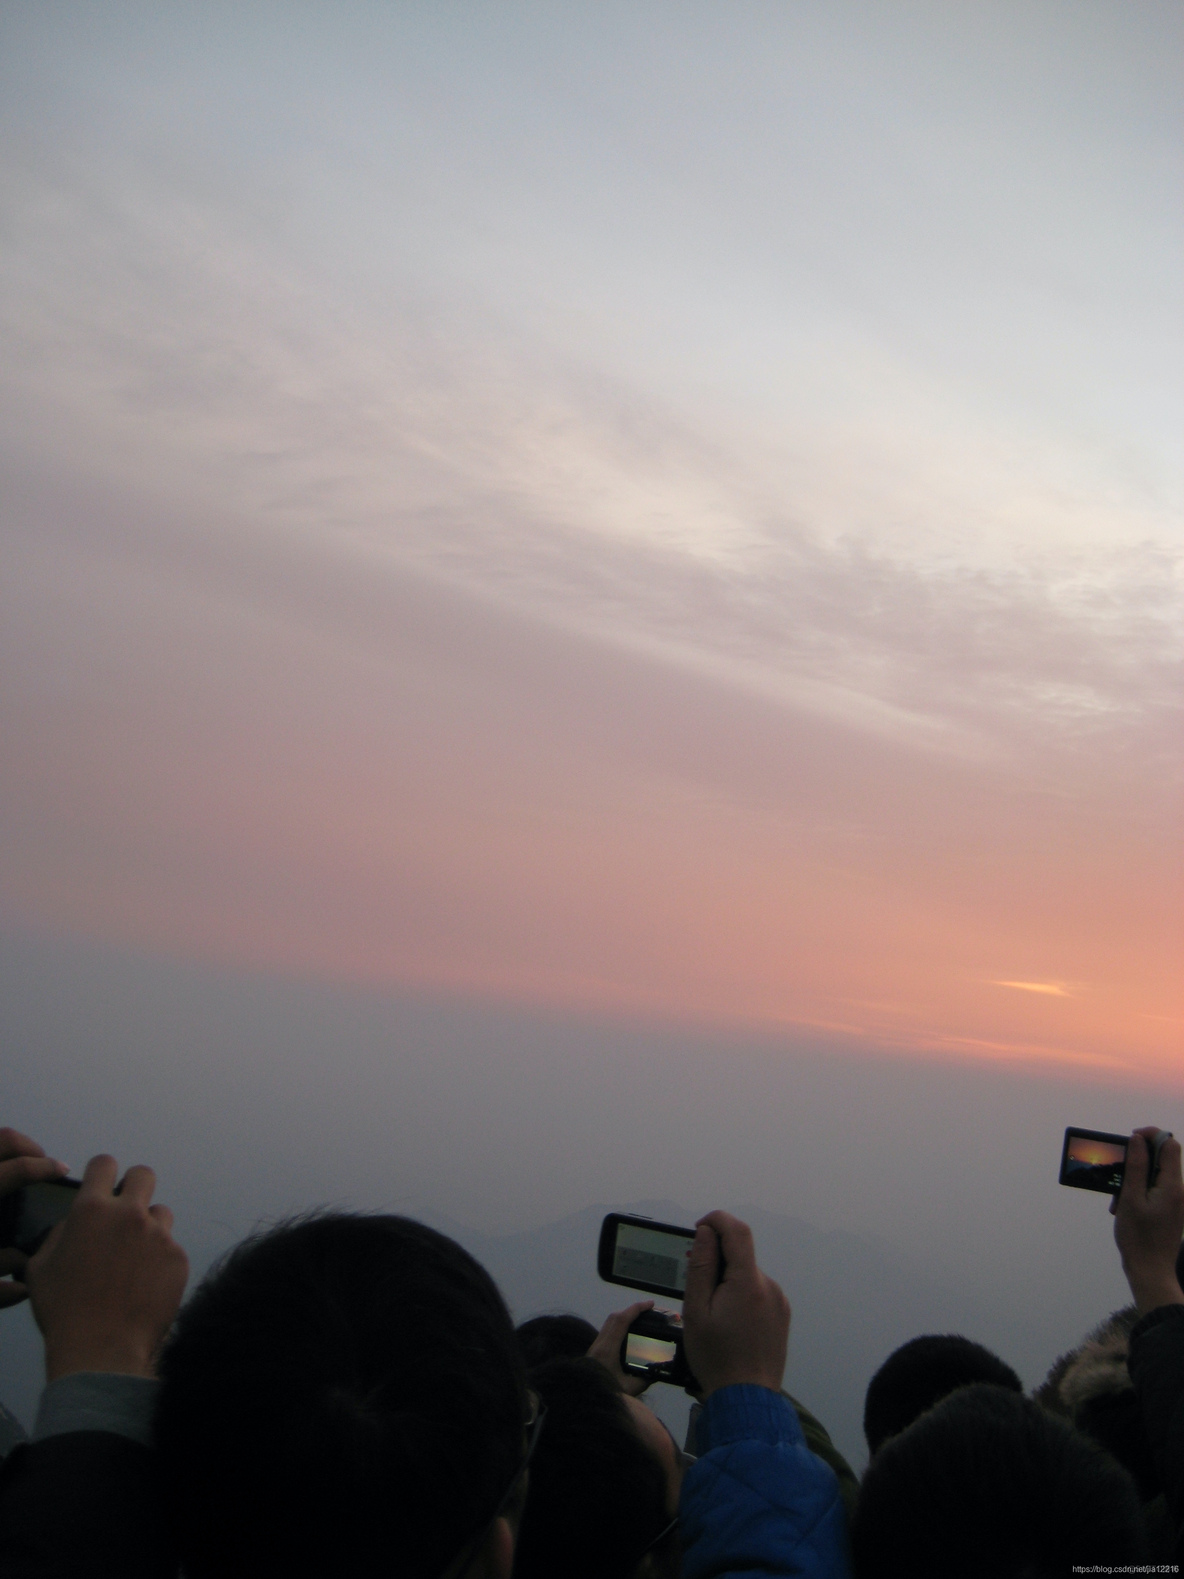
column 604, row 1483
column 988, row 1485
column 344, row 1395
column 920, row 1374
column 1091, row 1387
column 1148, row 1225
column 561, row 1337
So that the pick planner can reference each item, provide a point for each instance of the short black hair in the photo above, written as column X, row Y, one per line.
column 343, row 1394
column 597, row 1493
column 561, row 1337
column 922, row 1372
column 988, row 1485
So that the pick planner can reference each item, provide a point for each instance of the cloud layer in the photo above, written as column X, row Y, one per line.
column 402, row 585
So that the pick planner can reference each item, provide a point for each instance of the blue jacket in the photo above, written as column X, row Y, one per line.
column 758, row 1501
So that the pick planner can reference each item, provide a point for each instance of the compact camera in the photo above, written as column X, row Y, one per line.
column 653, row 1348
column 28, row 1214
column 1093, row 1160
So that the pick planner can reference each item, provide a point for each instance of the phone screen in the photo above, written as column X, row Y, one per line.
column 1093, row 1161
column 642, row 1351
column 650, row 1255
column 40, row 1207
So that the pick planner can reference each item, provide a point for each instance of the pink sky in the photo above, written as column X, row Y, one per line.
column 458, row 568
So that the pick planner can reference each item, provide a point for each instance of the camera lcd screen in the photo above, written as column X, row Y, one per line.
column 1093, row 1161
column 648, row 1256
column 40, row 1206
column 642, row 1351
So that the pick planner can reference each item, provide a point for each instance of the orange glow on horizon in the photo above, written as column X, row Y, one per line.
column 388, row 820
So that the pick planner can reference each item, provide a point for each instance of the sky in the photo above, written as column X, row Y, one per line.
column 596, row 527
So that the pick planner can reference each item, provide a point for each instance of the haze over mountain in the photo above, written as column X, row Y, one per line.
column 255, row 1097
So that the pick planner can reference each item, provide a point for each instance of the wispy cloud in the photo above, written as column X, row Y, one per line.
column 1052, row 989
column 375, row 612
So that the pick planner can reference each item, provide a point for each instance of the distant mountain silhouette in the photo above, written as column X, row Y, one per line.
column 854, row 1300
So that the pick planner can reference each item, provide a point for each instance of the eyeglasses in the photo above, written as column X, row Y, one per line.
column 534, row 1428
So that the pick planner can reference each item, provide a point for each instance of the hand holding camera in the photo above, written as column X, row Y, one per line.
column 611, row 1345
column 107, row 1283
column 737, row 1325
column 1149, row 1221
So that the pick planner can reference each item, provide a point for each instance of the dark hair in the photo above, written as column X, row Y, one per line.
column 597, row 1493
column 343, row 1394
column 988, row 1485
column 921, row 1373
column 564, row 1337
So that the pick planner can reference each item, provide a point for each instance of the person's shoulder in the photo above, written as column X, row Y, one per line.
column 757, row 1506
column 69, row 1498
column 11, row 1432
column 745, row 1413
column 1169, row 1317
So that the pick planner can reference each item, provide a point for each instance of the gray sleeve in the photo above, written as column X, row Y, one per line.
column 98, row 1401
column 11, row 1432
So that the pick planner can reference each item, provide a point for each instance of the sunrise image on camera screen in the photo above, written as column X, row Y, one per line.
column 1094, row 1164
column 642, row 1350
column 646, row 1255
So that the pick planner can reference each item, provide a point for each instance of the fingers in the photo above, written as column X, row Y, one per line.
column 24, row 1169
column 1135, row 1174
column 735, row 1241
column 14, row 1144
column 163, row 1216
column 1169, row 1164
column 12, row 1293
column 138, row 1185
column 99, row 1176
column 606, row 1346
column 702, row 1268
column 617, row 1325
column 626, row 1318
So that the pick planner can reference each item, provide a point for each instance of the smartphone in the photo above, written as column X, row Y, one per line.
column 1093, row 1160
column 28, row 1214
column 640, row 1253
column 653, row 1348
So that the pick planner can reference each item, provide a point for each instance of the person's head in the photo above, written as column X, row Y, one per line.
column 988, row 1485
column 1091, row 1387
column 343, row 1394
column 564, row 1337
column 603, row 1485
column 920, row 1374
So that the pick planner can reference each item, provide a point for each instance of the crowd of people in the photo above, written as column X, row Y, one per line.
column 346, row 1394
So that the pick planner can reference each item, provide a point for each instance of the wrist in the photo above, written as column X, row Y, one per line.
column 119, row 1356
column 1151, row 1290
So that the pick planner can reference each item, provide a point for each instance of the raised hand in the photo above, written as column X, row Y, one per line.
column 737, row 1329
column 1149, row 1222
column 607, row 1348
column 107, row 1283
